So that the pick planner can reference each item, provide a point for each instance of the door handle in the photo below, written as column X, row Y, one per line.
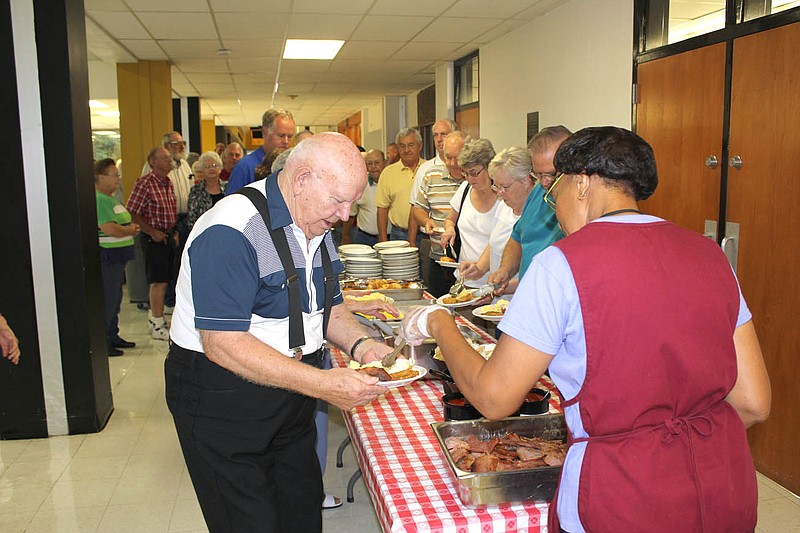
column 736, row 162
column 730, row 244
column 710, row 230
column 712, row 161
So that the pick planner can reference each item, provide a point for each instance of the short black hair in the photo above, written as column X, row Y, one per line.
column 613, row 153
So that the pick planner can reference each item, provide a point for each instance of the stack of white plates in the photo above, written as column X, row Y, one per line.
column 400, row 262
column 391, row 244
column 360, row 261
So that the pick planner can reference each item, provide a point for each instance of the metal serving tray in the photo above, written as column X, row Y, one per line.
column 414, row 293
column 510, row 486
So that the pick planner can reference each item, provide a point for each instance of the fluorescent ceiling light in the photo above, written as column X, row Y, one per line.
column 105, row 132
column 96, row 104
column 699, row 26
column 108, row 113
column 311, row 49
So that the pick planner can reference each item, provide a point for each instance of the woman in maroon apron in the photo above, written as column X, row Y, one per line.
column 648, row 338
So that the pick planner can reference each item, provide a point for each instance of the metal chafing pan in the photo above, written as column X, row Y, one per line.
column 511, row 486
column 411, row 293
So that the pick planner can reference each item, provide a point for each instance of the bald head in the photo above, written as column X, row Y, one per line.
column 323, row 176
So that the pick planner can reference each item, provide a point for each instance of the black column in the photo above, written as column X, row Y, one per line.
column 63, row 345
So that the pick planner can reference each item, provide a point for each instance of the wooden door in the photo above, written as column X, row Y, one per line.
column 764, row 199
column 680, row 113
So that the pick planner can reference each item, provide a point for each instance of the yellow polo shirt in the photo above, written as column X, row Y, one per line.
column 394, row 189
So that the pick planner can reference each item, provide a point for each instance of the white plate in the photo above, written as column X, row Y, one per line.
column 391, row 244
column 345, row 248
column 399, row 251
column 400, row 382
column 456, row 306
column 479, row 312
column 449, row 264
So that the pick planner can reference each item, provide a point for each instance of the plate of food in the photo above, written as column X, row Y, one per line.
column 400, row 373
column 448, row 262
column 464, row 298
column 493, row 312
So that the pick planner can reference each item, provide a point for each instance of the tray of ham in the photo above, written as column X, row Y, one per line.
column 511, row 460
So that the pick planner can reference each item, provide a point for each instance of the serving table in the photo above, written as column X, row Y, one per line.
column 405, row 473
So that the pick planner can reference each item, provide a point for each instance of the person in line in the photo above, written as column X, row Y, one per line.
column 362, row 226
column 475, row 210
column 432, row 208
column 537, row 227
column 392, row 154
column 395, row 186
column 115, row 233
column 219, row 149
column 245, row 365
column 230, row 157
column 277, row 128
column 302, row 135
column 153, row 206
column 511, row 180
column 440, row 130
column 9, row 344
column 627, row 298
column 209, row 189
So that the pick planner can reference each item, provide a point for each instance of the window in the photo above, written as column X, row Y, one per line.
column 467, row 79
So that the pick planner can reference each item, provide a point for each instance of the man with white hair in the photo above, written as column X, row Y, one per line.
column 230, row 157
column 395, row 184
column 244, row 369
column 277, row 127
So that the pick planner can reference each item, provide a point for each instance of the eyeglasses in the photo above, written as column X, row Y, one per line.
column 502, row 189
column 117, row 175
column 177, row 143
column 548, row 196
column 542, row 175
column 472, row 173
column 212, row 165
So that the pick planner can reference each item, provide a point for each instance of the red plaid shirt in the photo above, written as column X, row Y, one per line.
column 153, row 198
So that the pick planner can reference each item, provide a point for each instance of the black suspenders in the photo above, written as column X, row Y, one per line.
column 297, row 338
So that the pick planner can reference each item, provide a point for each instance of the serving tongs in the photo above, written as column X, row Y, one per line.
column 458, row 286
column 389, row 359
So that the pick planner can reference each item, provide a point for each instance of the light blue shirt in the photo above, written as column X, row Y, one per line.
column 545, row 314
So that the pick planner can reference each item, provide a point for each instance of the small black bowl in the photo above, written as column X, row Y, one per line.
column 537, row 402
column 456, row 407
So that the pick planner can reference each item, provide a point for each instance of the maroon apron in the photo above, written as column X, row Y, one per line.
column 665, row 452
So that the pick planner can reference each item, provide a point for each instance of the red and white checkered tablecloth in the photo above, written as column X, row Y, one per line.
column 404, row 471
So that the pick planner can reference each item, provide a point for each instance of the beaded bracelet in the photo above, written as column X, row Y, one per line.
column 356, row 344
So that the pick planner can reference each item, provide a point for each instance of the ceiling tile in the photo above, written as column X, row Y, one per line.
column 190, row 49
column 206, row 77
column 340, row 7
column 175, row 6
column 144, row 49
column 259, row 65
column 429, row 51
column 300, row 66
column 411, row 7
column 507, row 26
column 203, row 65
column 104, row 5
column 250, row 7
column 356, row 65
column 322, row 26
column 238, row 26
column 179, row 25
column 247, row 48
column 477, row 9
column 540, row 8
column 376, row 50
column 383, row 28
column 119, row 25
column 440, row 28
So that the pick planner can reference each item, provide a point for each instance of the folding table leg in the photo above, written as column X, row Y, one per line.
column 340, row 451
column 351, row 485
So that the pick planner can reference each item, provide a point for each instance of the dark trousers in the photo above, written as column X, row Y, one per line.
column 249, row 449
column 362, row 237
column 182, row 228
column 113, row 274
column 440, row 279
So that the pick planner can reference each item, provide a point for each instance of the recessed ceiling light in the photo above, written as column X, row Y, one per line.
column 311, row 48
column 96, row 104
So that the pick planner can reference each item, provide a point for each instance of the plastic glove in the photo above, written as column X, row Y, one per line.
column 414, row 327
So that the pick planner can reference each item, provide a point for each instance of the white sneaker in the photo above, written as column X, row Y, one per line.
column 158, row 329
column 168, row 309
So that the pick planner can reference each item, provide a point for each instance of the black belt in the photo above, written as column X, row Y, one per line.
column 365, row 233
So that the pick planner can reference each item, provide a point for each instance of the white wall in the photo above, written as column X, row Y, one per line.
column 573, row 65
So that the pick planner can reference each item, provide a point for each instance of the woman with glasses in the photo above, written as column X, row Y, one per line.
column 209, row 189
column 648, row 338
column 115, row 233
column 476, row 210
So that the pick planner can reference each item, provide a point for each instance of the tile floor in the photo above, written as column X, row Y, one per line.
column 131, row 476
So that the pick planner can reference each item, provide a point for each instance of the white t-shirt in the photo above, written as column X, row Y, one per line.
column 475, row 229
